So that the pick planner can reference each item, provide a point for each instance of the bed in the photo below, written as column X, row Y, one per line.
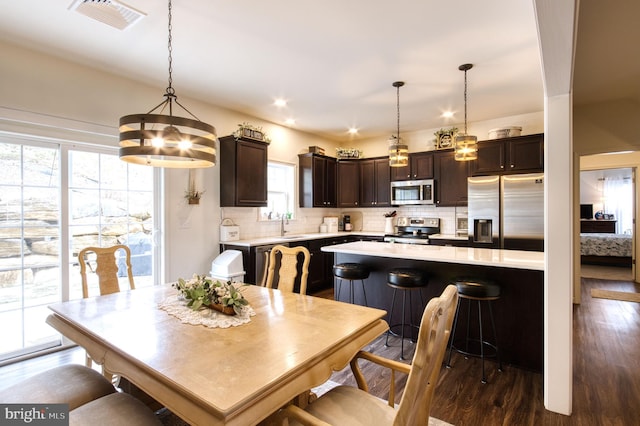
column 606, row 249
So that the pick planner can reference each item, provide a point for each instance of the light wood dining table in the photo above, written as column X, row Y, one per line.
column 209, row 376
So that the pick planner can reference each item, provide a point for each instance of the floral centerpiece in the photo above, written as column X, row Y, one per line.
column 201, row 291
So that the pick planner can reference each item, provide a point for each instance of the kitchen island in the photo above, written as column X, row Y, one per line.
column 519, row 313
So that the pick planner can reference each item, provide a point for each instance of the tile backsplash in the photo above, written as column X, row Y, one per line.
column 308, row 220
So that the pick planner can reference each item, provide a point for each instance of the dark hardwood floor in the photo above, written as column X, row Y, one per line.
column 606, row 384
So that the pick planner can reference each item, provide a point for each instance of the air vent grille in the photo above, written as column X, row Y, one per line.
column 110, row 12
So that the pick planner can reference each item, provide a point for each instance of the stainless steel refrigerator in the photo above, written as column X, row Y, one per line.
column 507, row 211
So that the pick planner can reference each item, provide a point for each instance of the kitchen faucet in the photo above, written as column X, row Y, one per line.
column 282, row 231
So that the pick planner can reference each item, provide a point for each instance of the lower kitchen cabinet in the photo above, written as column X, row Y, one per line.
column 448, row 242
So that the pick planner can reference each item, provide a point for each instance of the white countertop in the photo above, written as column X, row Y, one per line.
column 518, row 259
column 251, row 242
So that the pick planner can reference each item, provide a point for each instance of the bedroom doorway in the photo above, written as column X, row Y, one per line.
column 607, row 223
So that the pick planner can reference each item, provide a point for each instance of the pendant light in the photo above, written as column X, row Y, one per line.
column 398, row 151
column 161, row 140
column 466, row 146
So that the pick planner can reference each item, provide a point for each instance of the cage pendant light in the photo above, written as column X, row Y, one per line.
column 162, row 140
column 466, row 146
column 398, row 151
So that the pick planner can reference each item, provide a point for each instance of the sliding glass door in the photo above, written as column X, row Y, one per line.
column 55, row 200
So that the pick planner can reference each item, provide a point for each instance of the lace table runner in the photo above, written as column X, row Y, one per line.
column 176, row 306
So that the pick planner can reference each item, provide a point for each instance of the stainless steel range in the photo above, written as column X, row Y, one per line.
column 414, row 230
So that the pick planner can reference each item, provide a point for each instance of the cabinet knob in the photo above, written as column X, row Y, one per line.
column 512, row 165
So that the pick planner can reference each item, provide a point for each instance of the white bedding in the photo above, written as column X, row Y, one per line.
column 605, row 245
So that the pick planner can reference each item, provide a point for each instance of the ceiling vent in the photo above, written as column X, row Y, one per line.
column 110, row 12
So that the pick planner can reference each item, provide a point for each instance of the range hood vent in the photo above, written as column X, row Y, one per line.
column 110, row 12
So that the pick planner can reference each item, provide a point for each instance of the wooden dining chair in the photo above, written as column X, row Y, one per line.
column 288, row 270
column 106, row 268
column 347, row 405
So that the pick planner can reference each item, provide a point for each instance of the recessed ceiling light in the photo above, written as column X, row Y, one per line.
column 290, row 121
column 447, row 114
column 353, row 131
column 279, row 102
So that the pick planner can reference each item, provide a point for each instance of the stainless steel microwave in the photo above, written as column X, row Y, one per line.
column 412, row 192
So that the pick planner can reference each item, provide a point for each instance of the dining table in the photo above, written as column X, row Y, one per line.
column 236, row 375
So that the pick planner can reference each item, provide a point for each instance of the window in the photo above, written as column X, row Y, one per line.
column 280, row 192
column 55, row 200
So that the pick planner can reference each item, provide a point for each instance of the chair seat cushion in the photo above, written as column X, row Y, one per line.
column 71, row 384
column 406, row 277
column 114, row 409
column 351, row 271
column 346, row 405
column 476, row 288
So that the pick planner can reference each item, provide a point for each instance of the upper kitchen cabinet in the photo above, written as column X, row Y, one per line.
column 510, row 155
column 317, row 180
column 348, row 183
column 420, row 167
column 450, row 179
column 243, row 172
column 375, row 182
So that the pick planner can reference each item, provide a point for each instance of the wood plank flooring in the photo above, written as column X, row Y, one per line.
column 606, row 382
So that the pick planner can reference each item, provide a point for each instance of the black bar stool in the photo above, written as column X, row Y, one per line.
column 471, row 289
column 405, row 280
column 351, row 272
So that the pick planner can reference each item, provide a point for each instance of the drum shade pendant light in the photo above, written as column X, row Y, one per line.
column 398, row 151
column 466, row 146
column 161, row 140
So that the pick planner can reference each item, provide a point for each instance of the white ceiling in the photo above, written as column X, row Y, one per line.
column 334, row 61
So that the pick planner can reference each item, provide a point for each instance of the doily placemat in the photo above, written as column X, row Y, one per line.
column 177, row 307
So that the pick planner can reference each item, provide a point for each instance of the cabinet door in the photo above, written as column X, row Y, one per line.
column 348, row 184
column 491, row 158
column 319, row 181
column 421, row 165
column 526, row 153
column 382, row 182
column 368, row 183
column 450, row 179
column 251, row 174
column 330, row 189
column 400, row 173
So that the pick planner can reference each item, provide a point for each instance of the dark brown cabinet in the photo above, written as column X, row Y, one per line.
column 450, row 179
column 598, row 226
column 317, row 180
column 348, row 183
column 420, row 167
column 510, row 155
column 243, row 172
column 375, row 182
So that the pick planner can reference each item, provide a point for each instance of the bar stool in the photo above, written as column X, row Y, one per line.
column 351, row 272
column 405, row 280
column 471, row 289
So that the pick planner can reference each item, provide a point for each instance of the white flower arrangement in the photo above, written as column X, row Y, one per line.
column 201, row 291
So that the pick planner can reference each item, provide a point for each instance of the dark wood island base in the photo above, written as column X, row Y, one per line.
column 518, row 313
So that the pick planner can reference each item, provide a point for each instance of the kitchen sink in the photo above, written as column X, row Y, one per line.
column 295, row 237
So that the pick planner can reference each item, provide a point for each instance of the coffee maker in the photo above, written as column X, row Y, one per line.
column 346, row 220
